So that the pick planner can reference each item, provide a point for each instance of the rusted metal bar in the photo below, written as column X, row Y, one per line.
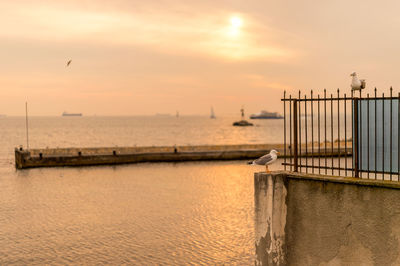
column 345, row 134
column 383, row 135
column 376, row 136
column 355, row 141
column 319, row 138
column 349, row 169
column 391, row 129
column 368, row 135
column 328, row 167
column 284, row 129
column 332, row 131
column 300, row 158
column 290, row 131
column 352, row 132
column 338, row 125
column 360, row 145
column 295, row 141
column 306, row 129
column 325, row 130
column 312, row 132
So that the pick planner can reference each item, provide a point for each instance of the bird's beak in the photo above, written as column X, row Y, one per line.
column 278, row 153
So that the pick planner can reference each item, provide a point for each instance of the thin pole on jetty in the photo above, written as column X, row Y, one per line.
column 26, row 124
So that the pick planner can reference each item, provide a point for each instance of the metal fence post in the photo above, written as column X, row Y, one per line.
column 295, row 140
column 355, row 141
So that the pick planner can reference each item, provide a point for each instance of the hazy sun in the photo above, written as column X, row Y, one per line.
column 235, row 25
column 236, row 22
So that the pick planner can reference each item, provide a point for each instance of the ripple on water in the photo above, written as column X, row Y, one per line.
column 199, row 213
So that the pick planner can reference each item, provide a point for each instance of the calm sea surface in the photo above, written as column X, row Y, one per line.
column 149, row 213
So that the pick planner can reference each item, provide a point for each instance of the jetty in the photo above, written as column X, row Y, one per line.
column 123, row 155
column 31, row 158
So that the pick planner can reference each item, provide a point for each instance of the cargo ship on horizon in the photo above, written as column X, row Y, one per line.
column 71, row 114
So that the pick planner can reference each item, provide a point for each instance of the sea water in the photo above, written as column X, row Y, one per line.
column 148, row 213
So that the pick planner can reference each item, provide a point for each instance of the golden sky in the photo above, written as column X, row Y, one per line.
column 132, row 57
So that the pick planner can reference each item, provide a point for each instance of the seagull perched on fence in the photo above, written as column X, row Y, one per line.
column 357, row 84
column 266, row 159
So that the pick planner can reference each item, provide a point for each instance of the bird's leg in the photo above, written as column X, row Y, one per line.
column 266, row 169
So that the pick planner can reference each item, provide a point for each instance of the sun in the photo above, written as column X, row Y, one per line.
column 234, row 27
column 236, row 22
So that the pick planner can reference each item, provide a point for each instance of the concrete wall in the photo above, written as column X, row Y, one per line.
column 270, row 219
column 329, row 220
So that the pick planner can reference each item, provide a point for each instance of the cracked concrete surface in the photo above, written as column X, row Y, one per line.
column 305, row 221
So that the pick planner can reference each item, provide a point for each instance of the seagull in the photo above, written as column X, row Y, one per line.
column 69, row 62
column 357, row 84
column 266, row 160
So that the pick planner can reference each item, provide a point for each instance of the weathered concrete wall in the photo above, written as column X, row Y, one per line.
column 333, row 221
column 270, row 219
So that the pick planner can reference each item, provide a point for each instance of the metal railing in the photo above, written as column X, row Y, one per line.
column 342, row 135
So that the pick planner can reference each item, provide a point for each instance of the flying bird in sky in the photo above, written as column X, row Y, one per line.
column 357, row 84
column 266, row 159
column 69, row 62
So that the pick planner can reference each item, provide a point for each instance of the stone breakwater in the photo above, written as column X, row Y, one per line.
column 123, row 155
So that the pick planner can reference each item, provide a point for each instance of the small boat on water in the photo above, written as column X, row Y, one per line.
column 71, row 114
column 266, row 115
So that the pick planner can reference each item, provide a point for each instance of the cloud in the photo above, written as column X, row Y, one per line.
column 206, row 34
column 260, row 81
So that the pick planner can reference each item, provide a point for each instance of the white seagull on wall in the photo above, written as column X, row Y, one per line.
column 266, row 159
column 357, row 84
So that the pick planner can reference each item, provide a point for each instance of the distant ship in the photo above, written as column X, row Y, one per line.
column 71, row 114
column 212, row 116
column 266, row 115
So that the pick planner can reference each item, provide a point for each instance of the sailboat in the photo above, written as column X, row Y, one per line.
column 212, row 116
